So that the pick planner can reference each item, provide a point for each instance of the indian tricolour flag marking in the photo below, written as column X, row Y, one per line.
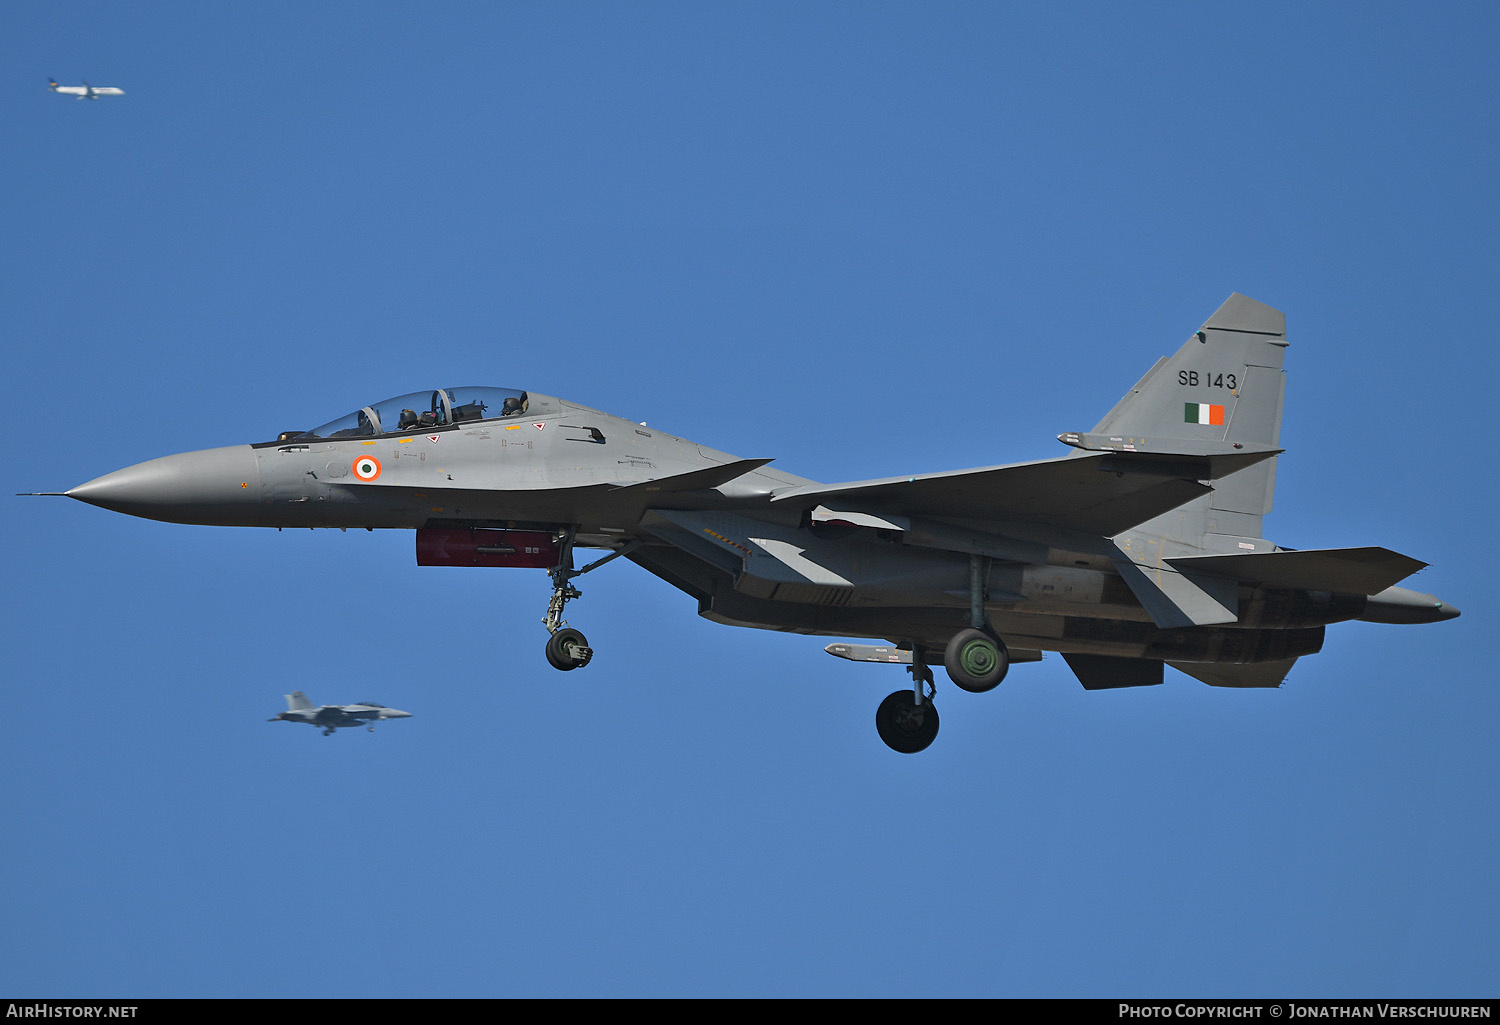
column 1202, row 413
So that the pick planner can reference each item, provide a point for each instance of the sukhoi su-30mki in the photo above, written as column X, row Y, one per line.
column 1139, row 549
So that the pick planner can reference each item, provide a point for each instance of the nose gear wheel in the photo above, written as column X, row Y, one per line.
column 568, row 649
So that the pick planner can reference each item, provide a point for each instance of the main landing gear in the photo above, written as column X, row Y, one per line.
column 568, row 649
column 976, row 660
column 907, row 720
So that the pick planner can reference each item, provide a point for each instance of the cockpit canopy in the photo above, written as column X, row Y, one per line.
column 423, row 411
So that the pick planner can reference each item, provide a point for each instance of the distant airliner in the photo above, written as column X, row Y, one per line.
column 85, row 91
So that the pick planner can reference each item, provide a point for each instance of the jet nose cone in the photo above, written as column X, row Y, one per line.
column 1447, row 611
column 395, row 713
column 217, row 485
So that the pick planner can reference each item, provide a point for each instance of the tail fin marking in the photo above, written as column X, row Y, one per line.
column 1225, row 384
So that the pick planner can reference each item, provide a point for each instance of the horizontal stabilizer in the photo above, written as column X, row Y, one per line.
column 1254, row 674
column 696, row 480
column 1106, row 672
column 1346, row 570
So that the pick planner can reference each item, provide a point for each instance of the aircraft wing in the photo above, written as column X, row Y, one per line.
column 1101, row 493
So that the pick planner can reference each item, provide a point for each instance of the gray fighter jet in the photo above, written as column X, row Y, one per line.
column 1141, row 548
column 335, row 717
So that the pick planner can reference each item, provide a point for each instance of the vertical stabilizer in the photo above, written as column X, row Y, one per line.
column 1225, row 384
column 297, row 701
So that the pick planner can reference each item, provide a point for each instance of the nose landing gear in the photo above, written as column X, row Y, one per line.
column 568, row 649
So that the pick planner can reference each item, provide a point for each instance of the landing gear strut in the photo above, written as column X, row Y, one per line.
column 907, row 720
column 975, row 658
column 567, row 648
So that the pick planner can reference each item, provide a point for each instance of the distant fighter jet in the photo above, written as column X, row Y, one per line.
column 85, row 91
column 335, row 717
column 1140, row 549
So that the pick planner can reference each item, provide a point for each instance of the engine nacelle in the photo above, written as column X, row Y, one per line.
column 1208, row 644
column 1282, row 609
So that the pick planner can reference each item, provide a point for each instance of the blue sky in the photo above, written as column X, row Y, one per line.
column 865, row 239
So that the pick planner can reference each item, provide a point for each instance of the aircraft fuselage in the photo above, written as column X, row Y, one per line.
column 1141, row 548
column 749, row 561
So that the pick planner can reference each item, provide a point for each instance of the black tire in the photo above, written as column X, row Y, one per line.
column 562, row 648
column 976, row 662
column 905, row 727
